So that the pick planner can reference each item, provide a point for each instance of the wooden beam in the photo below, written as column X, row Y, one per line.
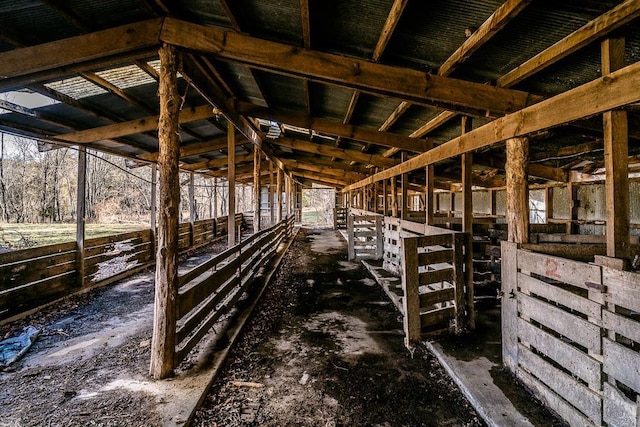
column 498, row 19
column 540, row 171
column 306, row 23
column 616, row 157
column 216, row 163
column 92, row 47
column 278, row 195
column 428, row 127
column 231, row 180
column 320, row 161
column 329, row 151
column 197, row 148
column 503, row 15
column 334, row 127
column 384, row 80
column 320, row 178
column 606, row 23
column 166, row 277
column 606, row 93
column 517, row 190
column 404, row 189
column 390, row 25
column 294, row 165
column 132, row 127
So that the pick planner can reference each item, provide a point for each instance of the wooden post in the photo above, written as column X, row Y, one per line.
column 428, row 197
column 517, row 190
column 272, row 212
column 80, row 213
column 404, row 188
column 411, row 300
column 548, row 203
column 192, row 207
column 154, row 207
column 467, row 226
column 492, row 200
column 257, row 157
column 572, row 192
column 616, row 157
column 231, row 181
column 351, row 236
column 394, row 197
column 278, row 195
column 379, row 238
column 385, row 198
column 166, row 277
column 215, row 198
column 509, row 310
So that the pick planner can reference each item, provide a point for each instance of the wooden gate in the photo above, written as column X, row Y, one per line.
column 565, row 325
column 365, row 236
column 433, row 284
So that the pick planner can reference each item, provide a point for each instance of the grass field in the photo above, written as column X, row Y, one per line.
column 19, row 236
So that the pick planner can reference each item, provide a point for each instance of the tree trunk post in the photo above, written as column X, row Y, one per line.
column 166, row 277
column 517, row 190
column 154, row 207
column 429, row 184
column 231, row 181
column 80, row 213
column 272, row 212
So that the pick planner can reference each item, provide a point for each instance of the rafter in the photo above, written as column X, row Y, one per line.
column 320, row 178
column 505, row 13
column 132, row 127
column 93, row 50
column 606, row 93
column 589, row 33
column 294, row 165
column 216, row 163
column 411, row 85
column 198, row 148
column 329, row 151
column 333, row 127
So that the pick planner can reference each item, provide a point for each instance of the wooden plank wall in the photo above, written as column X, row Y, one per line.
column 211, row 289
column 30, row 278
column 573, row 336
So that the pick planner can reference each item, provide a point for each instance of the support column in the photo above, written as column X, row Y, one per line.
column 467, row 226
column 80, row 213
column 517, row 190
column 257, row 157
column 429, row 185
column 394, row 197
column 154, row 207
column 192, row 207
column 616, row 160
column 166, row 277
column 231, row 181
column 404, row 188
column 278, row 195
column 272, row 212
column 385, row 200
column 548, row 203
column 215, row 198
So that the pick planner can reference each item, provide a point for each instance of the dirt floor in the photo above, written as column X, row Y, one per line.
column 89, row 366
column 324, row 348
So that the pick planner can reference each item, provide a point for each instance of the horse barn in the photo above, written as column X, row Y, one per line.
column 483, row 165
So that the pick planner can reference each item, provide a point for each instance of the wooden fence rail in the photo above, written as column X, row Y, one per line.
column 571, row 333
column 30, row 278
column 210, row 290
